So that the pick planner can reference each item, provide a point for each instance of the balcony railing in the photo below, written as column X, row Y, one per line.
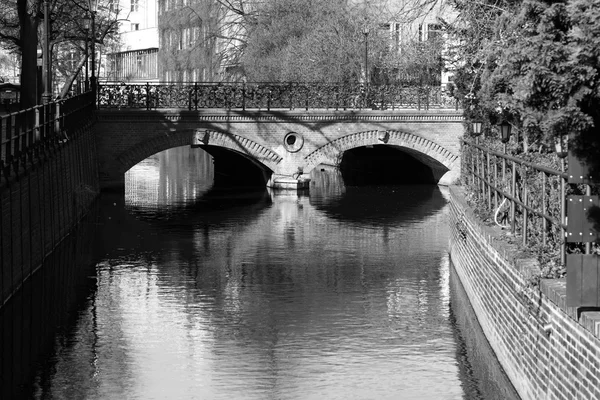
column 290, row 96
column 531, row 196
column 28, row 135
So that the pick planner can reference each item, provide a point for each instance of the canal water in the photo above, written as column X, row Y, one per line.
column 198, row 293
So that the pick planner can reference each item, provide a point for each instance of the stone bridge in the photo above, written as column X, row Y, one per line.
column 286, row 145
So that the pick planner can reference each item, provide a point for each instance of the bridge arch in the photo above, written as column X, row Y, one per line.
column 443, row 163
column 204, row 138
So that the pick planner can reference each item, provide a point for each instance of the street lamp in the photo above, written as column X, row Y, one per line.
column 505, row 129
column 87, row 21
column 92, row 8
column 476, row 130
column 47, row 95
column 561, row 144
column 366, row 33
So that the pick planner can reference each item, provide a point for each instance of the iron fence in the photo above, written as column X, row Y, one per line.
column 524, row 197
column 196, row 95
column 29, row 134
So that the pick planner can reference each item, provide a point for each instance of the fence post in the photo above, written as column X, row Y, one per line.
column 306, row 99
column 496, row 183
column 148, row 101
column 8, row 147
column 563, row 213
column 489, row 183
column 544, row 220
column 525, row 213
column 244, row 96
column 481, row 174
column 514, row 196
column 37, row 125
column 57, row 118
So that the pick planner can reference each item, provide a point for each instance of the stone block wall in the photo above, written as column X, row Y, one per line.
column 547, row 350
column 39, row 206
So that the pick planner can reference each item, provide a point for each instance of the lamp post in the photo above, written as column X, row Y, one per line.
column 561, row 146
column 47, row 69
column 92, row 5
column 366, row 33
column 477, row 133
column 86, row 24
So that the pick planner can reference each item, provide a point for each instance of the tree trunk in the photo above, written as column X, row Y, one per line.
column 69, row 80
column 29, row 41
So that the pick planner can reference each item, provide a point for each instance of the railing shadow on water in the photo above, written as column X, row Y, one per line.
column 525, row 198
column 28, row 135
column 262, row 95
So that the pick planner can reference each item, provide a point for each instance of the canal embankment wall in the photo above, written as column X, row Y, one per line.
column 547, row 350
column 43, row 201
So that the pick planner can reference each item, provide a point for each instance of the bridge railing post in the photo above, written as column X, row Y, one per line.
column 244, row 96
column 269, row 100
column 306, row 97
column 147, row 96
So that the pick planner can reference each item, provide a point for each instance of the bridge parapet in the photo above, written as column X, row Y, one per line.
column 267, row 96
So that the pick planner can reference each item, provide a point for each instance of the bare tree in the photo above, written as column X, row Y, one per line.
column 20, row 32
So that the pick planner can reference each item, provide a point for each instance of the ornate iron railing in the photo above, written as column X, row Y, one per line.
column 195, row 96
column 29, row 134
column 533, row 195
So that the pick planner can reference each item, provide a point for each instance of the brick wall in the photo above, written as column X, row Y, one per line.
column 40, row 206
column 545, row 349
column 126, row 137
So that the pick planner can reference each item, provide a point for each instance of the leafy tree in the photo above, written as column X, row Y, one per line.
column 538, row 69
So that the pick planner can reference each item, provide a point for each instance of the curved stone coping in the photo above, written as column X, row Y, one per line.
column 392, row 137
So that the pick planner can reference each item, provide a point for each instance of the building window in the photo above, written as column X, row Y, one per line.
column 135, row 5
column 135, row 27
column 434, row 31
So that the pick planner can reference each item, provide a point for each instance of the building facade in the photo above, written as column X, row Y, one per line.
column 135, row 57
column 201, row 40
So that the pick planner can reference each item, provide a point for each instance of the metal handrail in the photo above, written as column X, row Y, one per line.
column 480, row 172
column 28, row 134
column 272, row 95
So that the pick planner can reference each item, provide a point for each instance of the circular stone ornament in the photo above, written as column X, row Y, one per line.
column 293, row 142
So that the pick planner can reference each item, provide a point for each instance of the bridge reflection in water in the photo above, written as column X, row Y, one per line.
column 203, row 294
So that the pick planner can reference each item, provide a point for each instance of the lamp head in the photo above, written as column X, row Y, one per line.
column 86, row 21
column 505, row 129
column 476, row 128
column 561, row 145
